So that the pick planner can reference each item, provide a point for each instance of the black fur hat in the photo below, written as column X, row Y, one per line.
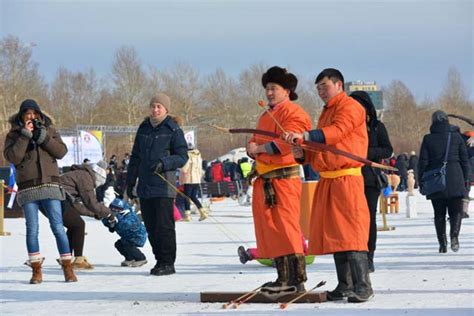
column 282, row 77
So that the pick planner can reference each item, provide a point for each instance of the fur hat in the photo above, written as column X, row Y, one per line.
column 282, row 77
column 162, row 99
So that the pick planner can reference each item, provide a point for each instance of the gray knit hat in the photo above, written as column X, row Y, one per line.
column 162, row 99
column 100, row 172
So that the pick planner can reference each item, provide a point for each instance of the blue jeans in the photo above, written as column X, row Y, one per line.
column 53, row 212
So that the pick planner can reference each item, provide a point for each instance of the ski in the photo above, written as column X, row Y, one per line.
column 285, row 305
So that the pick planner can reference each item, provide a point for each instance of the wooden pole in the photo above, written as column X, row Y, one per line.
column 383, row 208
column 2, row 209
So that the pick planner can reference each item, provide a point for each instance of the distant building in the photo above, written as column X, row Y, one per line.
column 368, row 86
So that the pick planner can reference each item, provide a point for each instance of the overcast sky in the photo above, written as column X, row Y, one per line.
column 413, row 41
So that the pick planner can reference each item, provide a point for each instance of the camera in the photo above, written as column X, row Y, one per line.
column 37, row 123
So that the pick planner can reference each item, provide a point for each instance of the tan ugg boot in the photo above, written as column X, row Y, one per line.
column 187, row 216
column 35, row 265
column 81, row 263
column 203, row 214
column 69, row 275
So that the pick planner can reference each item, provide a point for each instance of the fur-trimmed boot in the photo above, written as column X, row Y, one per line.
column 282, row 284
column 298, row 271
column 187, row 216
column 35, row 265
column 81, row 263
column 203, row 214
column 69, row 275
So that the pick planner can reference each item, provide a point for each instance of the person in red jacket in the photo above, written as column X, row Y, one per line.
column 217, row 171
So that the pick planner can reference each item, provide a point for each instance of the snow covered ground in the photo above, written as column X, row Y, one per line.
column 411, row 277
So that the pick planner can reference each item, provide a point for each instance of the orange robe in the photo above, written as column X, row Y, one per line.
column 340, row 215
column 277, row 229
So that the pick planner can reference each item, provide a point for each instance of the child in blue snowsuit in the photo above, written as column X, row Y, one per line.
column 131, row 230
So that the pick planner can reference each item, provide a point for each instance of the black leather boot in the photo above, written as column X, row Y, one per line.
column 443, row 244
column 344, row 286
column 360, row 277
column 370, row 258
column 455, row 223
column 440, row 225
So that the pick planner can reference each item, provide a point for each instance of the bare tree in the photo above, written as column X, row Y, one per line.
column 61, row 97
column 251, row 91
column 129, row 85
column 220, row 95
column 19, row 78
column 75, row 96
column 454, row 98
column 406, row 123
column 181, row 84
column 86, row 94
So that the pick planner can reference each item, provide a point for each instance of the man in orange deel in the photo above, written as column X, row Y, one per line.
column 277, row 189
column 340, row 215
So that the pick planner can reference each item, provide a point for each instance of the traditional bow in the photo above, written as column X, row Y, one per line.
column 309, row 145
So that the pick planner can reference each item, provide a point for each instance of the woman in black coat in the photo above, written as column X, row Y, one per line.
column 432, row 152
column 379, row 148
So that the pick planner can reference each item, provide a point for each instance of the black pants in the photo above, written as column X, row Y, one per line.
column 158, row 217
column 372, row 195
column 191, row 190
column 129, row 250
column 454, row 209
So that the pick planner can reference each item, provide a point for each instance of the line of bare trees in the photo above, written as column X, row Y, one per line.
column 121, row 98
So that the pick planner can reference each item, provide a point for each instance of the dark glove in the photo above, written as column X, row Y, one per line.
column 467, row 185
column 130, row 194
column 39, row 135
column 112, row 220
column 159, row 168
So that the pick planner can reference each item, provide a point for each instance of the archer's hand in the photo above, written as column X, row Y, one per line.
column 253, row 148
column 292, row 137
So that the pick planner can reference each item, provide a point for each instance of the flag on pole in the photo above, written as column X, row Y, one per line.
column 12, row 187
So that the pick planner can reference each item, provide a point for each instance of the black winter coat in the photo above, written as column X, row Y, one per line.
column 432, row 153
column 165, row 143
column 379, row 148
column 402, row 165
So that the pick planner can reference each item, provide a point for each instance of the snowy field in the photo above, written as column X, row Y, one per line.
column 411, row 277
